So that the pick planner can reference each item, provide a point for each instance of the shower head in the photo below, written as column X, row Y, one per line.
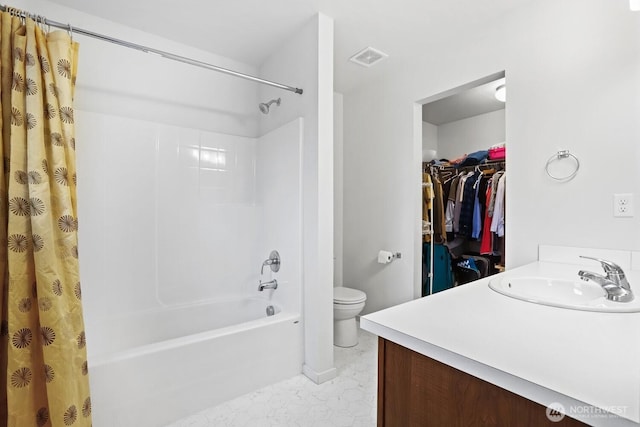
column 264, row 107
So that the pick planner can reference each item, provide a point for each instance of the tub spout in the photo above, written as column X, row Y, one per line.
column 271, row 284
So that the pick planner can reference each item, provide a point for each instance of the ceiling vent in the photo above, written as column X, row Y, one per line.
column 368, row 57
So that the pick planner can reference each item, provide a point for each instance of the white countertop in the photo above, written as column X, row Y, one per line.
column 587, row 361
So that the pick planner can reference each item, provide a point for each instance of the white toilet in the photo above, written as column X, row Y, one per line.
column 347, row 304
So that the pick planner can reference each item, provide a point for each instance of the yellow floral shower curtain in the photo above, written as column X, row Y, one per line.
column 43, row 356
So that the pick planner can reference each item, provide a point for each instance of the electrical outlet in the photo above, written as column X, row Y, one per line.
column 623, row 205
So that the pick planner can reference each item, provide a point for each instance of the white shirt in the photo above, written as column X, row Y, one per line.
column 497, row 222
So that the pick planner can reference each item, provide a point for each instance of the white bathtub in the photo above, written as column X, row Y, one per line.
column 149, row 369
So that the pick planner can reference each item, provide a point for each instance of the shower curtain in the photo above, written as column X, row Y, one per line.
column 42, row 351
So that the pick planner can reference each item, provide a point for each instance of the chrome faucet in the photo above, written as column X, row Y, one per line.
column 271, row 284
column 614, row 282
column 273, row 262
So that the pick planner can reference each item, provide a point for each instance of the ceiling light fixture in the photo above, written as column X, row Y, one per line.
column 501, row 93
column 368, row 57
column 634, row 5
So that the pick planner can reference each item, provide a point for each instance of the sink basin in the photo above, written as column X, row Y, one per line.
column 573, row 294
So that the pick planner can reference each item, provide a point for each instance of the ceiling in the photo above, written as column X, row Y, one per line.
column 468, row 103
column 249, row 30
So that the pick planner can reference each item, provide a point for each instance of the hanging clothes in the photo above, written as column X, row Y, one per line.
column 474, row 211
column 442, row 269
column 427, row 200
column 494, row 189
column 451, row 204
column 486, row 243
column 478, row 209
column 497, row 223
column 467, row 204
column 438, row 212
column 483, row 198
column 433, row 201
column 458, row 202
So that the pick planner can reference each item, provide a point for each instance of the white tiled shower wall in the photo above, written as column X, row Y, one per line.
column 172, row 215
column 279, row 210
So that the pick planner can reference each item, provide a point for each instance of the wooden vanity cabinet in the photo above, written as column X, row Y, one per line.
column 417, row 391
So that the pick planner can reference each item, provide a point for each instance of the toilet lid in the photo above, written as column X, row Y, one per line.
column 344, row 295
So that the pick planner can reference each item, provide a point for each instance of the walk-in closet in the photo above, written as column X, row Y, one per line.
column 464, row 181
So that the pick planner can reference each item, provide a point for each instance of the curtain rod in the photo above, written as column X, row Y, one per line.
column 146, row 49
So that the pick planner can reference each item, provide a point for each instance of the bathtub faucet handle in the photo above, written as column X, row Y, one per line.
column 273, row 262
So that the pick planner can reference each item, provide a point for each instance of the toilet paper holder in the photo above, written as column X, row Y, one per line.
column 385, row 257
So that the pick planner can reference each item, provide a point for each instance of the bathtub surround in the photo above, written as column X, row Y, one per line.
column 279, row 211
column 44, row 345
column 216, row 204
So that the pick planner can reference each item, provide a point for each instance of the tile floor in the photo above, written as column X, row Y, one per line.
column 347, row 400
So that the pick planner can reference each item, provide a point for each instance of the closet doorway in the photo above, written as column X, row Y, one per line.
column 464, row 167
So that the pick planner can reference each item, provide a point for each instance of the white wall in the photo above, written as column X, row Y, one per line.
column 573, row 70
column 306, row 61
column 338, row 188
column 430, row 138
column 125, row 82
column 472, row 134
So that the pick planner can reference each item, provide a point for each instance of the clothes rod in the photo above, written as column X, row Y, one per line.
column 22, row 14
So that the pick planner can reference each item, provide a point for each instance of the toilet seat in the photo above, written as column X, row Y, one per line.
column 342, row 295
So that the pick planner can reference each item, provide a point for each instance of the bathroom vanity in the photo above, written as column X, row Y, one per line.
column 415, row 390
column 474, row 356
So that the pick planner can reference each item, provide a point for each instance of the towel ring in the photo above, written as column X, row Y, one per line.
column 562, row 154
